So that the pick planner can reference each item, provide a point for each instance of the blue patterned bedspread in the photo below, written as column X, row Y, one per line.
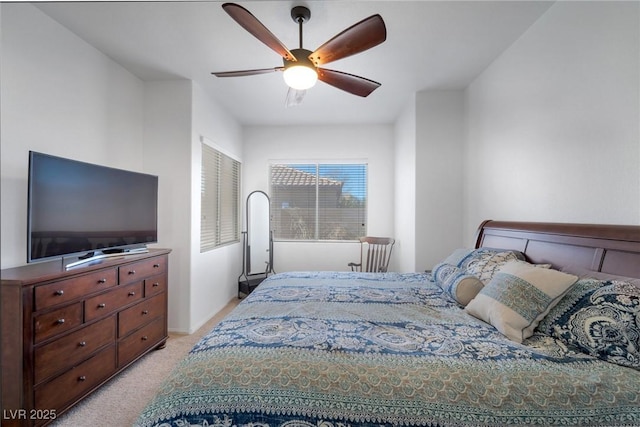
column 361, row 349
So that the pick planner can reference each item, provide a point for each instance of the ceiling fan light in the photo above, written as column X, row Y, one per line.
column 300, row 77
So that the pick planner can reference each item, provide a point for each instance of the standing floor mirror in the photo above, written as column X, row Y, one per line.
column 257, row 254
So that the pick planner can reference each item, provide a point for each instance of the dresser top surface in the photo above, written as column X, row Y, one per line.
column 52, row 270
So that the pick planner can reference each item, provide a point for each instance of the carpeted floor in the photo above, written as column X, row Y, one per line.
column 120, row 401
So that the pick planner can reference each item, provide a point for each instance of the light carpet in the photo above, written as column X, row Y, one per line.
column 122, row 399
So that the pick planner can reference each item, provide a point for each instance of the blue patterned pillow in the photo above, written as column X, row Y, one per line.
column 460, row 286
column 484, row 263
column 457, row 256
column 600, row 318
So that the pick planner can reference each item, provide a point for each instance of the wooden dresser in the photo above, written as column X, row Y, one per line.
column 65, row 333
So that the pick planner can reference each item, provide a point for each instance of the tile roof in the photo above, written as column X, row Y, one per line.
column 288, row 176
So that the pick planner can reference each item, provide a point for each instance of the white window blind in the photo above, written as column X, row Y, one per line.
column 220, row 199
column 319, row 201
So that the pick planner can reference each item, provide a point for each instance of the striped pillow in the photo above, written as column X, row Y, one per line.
column 518, row 296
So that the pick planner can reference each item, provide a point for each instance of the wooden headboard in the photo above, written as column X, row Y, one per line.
column 612, row 249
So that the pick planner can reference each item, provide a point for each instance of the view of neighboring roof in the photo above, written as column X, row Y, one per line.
column 288, row 176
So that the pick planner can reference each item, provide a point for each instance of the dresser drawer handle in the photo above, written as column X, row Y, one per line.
column 60, row 321
column 59, row 293
column 101, row 281
column 156, row 265
column 132, row 293
column 82, row 343
column 145, row 312
column 82, row 378
column 131, row 272
column 102, row 305
column 155, row 284
column 144, row 338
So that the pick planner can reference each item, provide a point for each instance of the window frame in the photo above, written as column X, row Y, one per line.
column 224, row 228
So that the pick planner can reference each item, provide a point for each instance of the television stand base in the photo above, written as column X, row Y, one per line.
column 100, row 255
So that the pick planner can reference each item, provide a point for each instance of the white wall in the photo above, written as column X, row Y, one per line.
column 371, row 143
column 553, row 131
column 62, row 97
column 214, row 274
column 167, row 142
column 438, row 205
column 404, row 252
column 552, row 134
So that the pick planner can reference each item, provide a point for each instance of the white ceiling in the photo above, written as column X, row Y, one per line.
column 430, row 45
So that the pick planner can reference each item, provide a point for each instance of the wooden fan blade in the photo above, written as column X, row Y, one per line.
column 242, row 73
column 348, row 82
column 250, row 23
column 359, row 37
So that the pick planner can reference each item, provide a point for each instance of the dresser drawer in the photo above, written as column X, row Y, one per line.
column 56, row 322
column 141, row 340
column 109, row 302
column 60, row 329
column 70, row 289
column 141, row 313
column 139, row 270
column 71, row 349
column 69, row 386
column 154, row 285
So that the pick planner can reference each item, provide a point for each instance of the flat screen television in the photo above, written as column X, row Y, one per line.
column 85, row 211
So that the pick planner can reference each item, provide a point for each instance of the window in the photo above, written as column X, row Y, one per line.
column 319, row 201
column 220, row 198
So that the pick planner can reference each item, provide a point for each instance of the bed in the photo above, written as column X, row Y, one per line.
column 332, row 349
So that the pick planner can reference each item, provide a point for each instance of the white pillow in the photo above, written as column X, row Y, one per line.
column 518, row 296
column 586, row 273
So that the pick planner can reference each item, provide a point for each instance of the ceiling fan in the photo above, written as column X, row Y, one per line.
column 302, row 67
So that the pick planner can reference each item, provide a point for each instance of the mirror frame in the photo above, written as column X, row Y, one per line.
column 255, row 216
